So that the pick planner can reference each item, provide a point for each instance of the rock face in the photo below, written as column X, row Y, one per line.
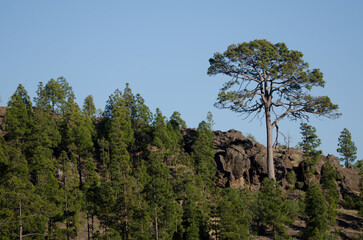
column 241, row 162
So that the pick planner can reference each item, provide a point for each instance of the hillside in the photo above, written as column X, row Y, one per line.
column 67, row 173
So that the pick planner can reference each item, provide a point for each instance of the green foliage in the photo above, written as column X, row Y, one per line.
column 269, row 79
column 360, row 201
column 195, row 206
column 350, row 202
column 41, row 100
column 291, row 179
column 160, row 133
column 347, row 148
column 310, row 142
column 20, row 205
column 134, row 172
column 272, row 208
column 316, row 212
column 210, row 120
column 119, row 199
column 176, row 121
column 18, row 118
column 358, row 165
column 89, row 106
column 77, row 131
column 250, row 136
column 58, row 92
column 329, row 185
column 235, row 212
column 203, row 154
column 143, row 113
column 246, row 62
column 164, row 211
column 72, row 196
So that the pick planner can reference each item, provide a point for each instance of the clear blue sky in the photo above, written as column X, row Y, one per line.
column 162, row 49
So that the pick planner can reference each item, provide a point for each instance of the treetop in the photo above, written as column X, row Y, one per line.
column 269, row 75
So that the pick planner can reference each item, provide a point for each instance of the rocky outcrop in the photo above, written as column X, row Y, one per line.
column 2, row 117
column 241, row 162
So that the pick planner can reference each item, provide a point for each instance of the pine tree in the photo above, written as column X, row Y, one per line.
column 72, row 196
column 89, row 107
column 196, row 208
column 235, row 211
column 272, row 209
column 347, row 148
column 143, row 113
column 160, row 132
column 33, row 133
column 316, row 212
column 164, row 211
column 176, row 120
column 203, row 181
column 203, row 154
column 77, row 131
column 42, row 100
column 76, row 160
column 310, row 142
column 120, row 136
column 18, row 118
column 210, row 120
column 140, row 117
column 118, row 209
column 329, row 185
column 58, row 93
column 43, row 138
column 130, row 102
column 175, row 150
column 142, row 132
column 22, row 210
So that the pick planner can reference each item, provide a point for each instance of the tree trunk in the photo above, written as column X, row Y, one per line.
column 270, row 154
column 79, row 168
column 66, row 202
column 92, row 225
column 49, row 229
column 156, row 228
column 88, row 228
column 21, row 223
column 347, row 163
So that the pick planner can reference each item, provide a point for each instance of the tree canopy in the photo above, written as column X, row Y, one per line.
column 269, row 78
column 346, row 147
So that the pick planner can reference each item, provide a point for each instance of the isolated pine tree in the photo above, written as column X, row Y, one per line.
column 347, row 148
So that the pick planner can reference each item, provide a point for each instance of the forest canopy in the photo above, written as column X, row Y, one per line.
column 125, row 173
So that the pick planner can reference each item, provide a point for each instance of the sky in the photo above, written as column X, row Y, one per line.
column 162, row 48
